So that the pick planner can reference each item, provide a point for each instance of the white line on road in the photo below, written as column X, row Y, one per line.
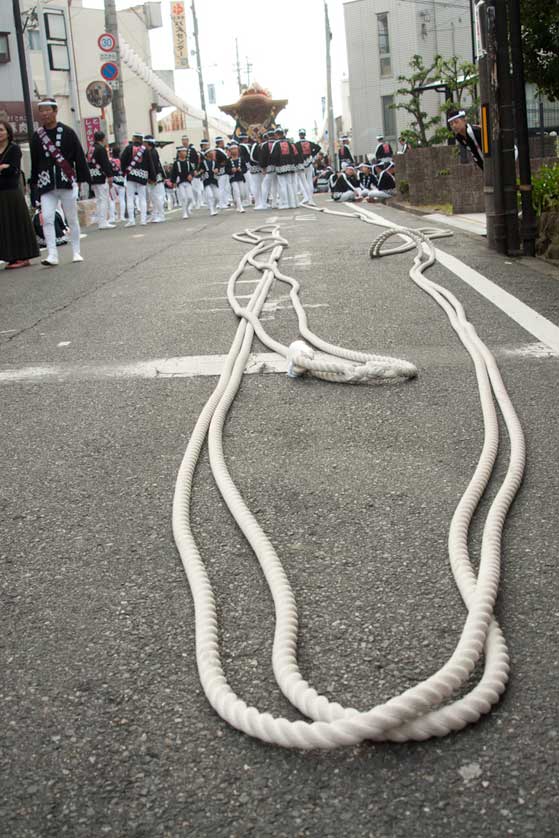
column 529, row 319
column 189, row 366
column 536, row 324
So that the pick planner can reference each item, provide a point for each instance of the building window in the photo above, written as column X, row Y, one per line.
column 384, row 45
column 4, row 48
column 388, row 117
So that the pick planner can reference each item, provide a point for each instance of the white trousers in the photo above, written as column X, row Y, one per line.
column 198, row 191
column 237, row 192
column 224, row 191
column 138, row 189
column 121, row 194
column 212, row 197
column 101, row 192
column 157, row 193
column 186, row 198
column 378, row 194
column 49, row 202
column 269, row 187
column 308, row 173
column 256, row 187
column 285, row 190
column 350, row 195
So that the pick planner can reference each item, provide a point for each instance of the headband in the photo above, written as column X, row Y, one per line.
column 459, row 115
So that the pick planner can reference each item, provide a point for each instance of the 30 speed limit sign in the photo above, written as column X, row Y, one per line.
column 106, row 42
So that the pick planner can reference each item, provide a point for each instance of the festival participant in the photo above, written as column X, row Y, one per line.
column 367, row 180
column 137, row 169
column 58, row 165
column 297, row 183
column 467, row 135
column 182, row 176
column 157, row 186
column 255, row 171
column 118, row 190
column 211, row 186
column 383, row 150
column 101, row 173
column 283, row 161
column 198, row 179
column 222, row 177
column 236, row 169
column 308, row 151
column 269, row 180
column 385, row 183
column 247, row 190
column 345, row 157
column 345, row 186
column 18, row 243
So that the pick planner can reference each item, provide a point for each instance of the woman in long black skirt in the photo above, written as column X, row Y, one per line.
column 18, row 243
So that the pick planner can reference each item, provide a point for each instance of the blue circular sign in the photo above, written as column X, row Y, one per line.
column 109, row 71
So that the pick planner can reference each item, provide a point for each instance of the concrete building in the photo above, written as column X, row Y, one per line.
column 382, row 36
column 76, row 55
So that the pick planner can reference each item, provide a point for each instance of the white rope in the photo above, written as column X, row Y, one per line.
column 419, row 712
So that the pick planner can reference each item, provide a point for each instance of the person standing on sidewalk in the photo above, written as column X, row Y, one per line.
column 101, row 173
column 467, row 135
column 18, row 243
column 58, row 165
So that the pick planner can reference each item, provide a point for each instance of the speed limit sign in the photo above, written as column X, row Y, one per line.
column 107, row 42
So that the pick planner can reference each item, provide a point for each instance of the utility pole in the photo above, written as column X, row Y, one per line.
column 119, row 110
column 238, row 67
column 506, row 107
column 200, row 77
column 23, row 70
column 528, row 226
column 329, row 104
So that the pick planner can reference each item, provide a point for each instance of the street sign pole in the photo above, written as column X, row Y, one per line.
column 119, row 109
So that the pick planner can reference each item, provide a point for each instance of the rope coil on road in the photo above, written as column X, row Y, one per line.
column 417, row 713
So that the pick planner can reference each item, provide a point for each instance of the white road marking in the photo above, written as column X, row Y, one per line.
column 529, row 319
column 536, row 324
column 189, row 366
column 531, row 350
column 8, row 332
column 64, row 343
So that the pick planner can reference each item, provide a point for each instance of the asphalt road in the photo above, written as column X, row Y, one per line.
column 105, row 729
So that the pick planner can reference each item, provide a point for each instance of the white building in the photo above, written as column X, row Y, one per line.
column 79, row 58
column 382, row 36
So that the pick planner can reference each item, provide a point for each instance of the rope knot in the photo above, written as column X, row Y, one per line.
column 296, row 354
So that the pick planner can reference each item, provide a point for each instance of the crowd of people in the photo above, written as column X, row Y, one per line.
column 264, row 171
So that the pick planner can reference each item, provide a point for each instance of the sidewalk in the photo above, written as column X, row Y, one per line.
column 474, row 222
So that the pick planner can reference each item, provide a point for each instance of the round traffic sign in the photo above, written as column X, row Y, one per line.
column 109, row 71
column 107, row 42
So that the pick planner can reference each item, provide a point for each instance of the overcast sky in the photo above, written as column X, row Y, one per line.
column 284, row 41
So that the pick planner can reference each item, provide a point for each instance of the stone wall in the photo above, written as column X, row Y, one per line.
column 435, row 175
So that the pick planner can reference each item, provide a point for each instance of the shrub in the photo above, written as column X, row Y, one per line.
column 404, row 187
column 545, row 189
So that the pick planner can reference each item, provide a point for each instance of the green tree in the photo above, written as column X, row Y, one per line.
column 540, row 40
column 411, row 100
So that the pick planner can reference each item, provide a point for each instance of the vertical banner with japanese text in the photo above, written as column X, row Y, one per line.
column 180, row 44
column 91, row 124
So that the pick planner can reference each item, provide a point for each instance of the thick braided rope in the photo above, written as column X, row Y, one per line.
column 336, row 725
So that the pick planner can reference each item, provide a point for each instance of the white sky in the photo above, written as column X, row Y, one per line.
column 284, row 41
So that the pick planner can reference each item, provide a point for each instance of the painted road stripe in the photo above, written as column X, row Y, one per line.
column 189, row 366
column 536, row 324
